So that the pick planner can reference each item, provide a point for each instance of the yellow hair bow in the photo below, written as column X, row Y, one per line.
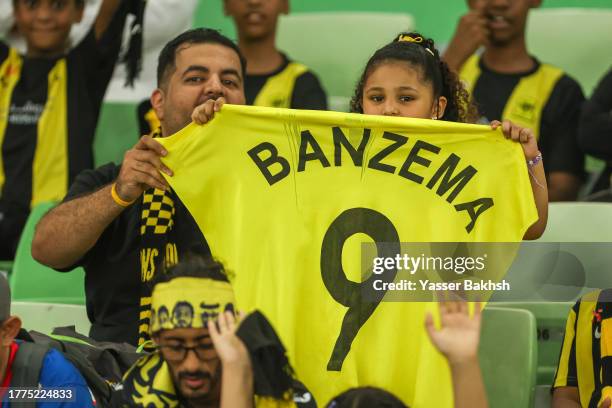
column 407, row 38
column 417, row 39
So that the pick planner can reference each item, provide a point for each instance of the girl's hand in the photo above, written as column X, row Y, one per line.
column 205, row 112
column 524, row 136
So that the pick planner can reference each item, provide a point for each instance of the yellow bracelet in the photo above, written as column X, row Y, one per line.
column 118, row 199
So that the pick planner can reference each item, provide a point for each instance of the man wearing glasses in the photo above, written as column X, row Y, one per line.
column 205, row 358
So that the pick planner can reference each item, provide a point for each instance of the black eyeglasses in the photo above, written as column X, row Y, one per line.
column 177, row 352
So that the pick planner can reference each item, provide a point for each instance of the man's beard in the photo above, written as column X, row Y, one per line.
column 209, row 397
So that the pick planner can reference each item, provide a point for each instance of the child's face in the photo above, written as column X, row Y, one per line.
column 46, row 24
column 256, row 19
column 394, row 88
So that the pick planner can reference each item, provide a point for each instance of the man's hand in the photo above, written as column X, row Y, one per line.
column 206, row 111
column 141, row 168
column 605, row 403
column 229, row 347
column 471, row 33
column 459, row 334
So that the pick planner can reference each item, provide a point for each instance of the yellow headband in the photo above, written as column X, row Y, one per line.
column 189, row 303
column 417, row 39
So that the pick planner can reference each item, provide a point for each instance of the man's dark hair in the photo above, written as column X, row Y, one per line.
column 193, row 265
column 78, row 3
column 167, row 56
column 366, row 397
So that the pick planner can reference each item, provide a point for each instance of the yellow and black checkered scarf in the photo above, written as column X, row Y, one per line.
column 157, row 246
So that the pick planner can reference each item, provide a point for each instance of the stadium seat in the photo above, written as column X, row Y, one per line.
column 6, row 266
column 584, row 231
column 572, row 258
column 44, row 317
column 550, row 320
column 33, row 282
column 573, row 39
column 117, row 132
column 337, row 45
column 508, row 357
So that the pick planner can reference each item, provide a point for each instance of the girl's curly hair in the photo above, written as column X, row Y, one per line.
column 420, row 52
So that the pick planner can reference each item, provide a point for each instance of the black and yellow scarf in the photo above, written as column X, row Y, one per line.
column 149, row 382
column 158, row 246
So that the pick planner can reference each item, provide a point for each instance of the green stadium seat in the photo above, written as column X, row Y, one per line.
column 6, row 266
column 117, row 132
column 337, row 45
column 30, row 281
column 579, row 222
column 584, row 231
column 550, row 320
column 44, row 317
column 573, row 256
column 508, row 357
column 573, row 39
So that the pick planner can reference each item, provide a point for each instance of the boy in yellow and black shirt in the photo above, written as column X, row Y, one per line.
column 506, row 82
column 50, row 100
column 272, row 78
column 584, row 374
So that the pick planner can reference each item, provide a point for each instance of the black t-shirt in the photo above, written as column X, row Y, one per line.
column 112, row 267
column 595, row 132
column 89, row 69
column 307, row 92
column 559, row 124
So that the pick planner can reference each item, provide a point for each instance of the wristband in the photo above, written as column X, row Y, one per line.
column 533, row 162
column 118, row 199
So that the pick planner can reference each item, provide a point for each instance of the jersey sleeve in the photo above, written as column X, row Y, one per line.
column 58, row 372
column 595, row 130
column 560, row 128
column 86, row 183
column 142, row 110
column 4, row 51
column 308, row 93
column 89, row 181
column 566, row 375
column 99, row 56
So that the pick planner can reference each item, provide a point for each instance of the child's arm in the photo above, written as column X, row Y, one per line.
column 458, row 339
column 537, row 178
column 105, row 16
column 566, row 397
column 237, row 373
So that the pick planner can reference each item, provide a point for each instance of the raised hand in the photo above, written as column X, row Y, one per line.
column 459, row 333
column 229, row 347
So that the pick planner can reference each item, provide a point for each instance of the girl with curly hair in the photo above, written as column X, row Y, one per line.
column 408, row 78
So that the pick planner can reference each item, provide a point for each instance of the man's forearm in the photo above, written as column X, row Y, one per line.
column 71, row 229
